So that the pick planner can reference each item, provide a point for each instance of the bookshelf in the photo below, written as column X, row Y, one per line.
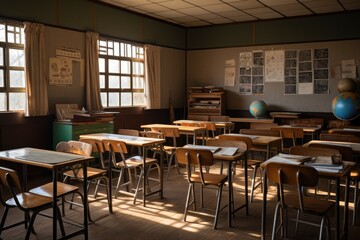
column 206, row 103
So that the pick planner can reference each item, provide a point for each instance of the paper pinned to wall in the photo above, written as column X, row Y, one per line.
column 306, row 88
column 274, row 66
column 348, row 68
column 60, row 71
column 229, row 76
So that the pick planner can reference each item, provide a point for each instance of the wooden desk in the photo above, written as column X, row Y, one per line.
column 185, row 130
column 224, row 126
column 284, row 115
column 355, row 146
column 345, row 173
column 230, row 159
column 268, row 141
column 51, row 160
column 142, row 142
column 314, row 132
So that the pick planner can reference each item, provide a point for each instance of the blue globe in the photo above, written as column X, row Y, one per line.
column 346, row 106
column 258, row 108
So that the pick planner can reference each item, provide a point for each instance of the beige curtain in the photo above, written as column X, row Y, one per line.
column 152, row 69
column 35, row 70
column 93, row 100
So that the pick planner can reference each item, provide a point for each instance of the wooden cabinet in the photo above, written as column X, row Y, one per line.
column 65, row 131
column 206, row 103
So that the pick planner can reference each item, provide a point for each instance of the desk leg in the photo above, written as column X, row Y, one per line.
column 86, row 205
column 162, row 170
column 110, row 183
column 144, row 176
column 346, row 208
column 337, row 210
column 55, row 203
column 230, row 193
column 246, row 186
column 263, row 216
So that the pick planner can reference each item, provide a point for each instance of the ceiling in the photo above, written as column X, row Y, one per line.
column 195, row 13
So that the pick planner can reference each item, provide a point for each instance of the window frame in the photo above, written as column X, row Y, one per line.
column 137, row 55
column 6, row 68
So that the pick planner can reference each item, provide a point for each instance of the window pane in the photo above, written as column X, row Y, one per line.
column 138, row 68
column 125, row 67
column 2, row 32
column 114, row 82
column 114, row 66
column 2, row 84
column 101, row 65
column 102, row 81
column 139, row 99
column 16, row 101
column 125, row 82
column 126, row 99
column 116, row 49
column 138, row 82
column 103, row 97
column 17, row 79
column 1, row 56
column 16, row 57
column 2, row 101
column 114, row 100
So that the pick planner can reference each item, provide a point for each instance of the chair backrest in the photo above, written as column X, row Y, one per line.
column 115, row 147
column 260, row 132
column 151, row 134
column 195, row 157
column 339, row 137
column 210, row 128
column 75, row 147
column 130, row 132
column 313, row 151
column 308, row 122
column 190, row 124
column 234, row 138
column 347, row 153
column 97, row 147
column 290, row 132
column 5, row 173
column 294, row 175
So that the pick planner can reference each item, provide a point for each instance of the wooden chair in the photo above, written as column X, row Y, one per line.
column 260, row 132
column 291, row 136
column 198, row 117
column 131, row 132
column 118, row 149
column 200, row 158
column 171, row 135
column 85, row 147
column 313, row 151
column 307, row 122
column 252, row 163
column 347, row 154
column 298, row 176
column 210, row 130
column 25, row 201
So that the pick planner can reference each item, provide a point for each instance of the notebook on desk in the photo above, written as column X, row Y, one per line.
column 228, row 151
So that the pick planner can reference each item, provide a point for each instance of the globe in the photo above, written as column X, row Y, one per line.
column 346, row 85
column 346, row 106
column 258, row 108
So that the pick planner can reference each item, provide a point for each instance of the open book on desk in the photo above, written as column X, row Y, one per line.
column 295, row 158
column 227, row 151
column 324, row 164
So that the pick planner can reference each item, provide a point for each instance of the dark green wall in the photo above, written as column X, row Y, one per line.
column 85, row 15
column 341, row 26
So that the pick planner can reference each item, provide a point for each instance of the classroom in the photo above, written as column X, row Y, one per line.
column 183, row 73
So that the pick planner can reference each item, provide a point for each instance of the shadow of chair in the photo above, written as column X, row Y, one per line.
column 200, row 158
column 24, row 201
column 298, row 177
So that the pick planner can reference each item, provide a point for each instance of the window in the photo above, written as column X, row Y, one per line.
column 12, row 67
column 122, row 73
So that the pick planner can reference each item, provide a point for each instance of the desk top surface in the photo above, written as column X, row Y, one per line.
column 181, row 128
column 131, row 140
column 42, row 158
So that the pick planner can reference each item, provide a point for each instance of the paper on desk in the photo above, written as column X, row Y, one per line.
column 279, row 159
column 228, row 151
column 297, row 158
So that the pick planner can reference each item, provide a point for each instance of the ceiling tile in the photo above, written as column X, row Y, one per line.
column 151, row 8
column 171, row 14
column 242, row 18
column 272, row 3
column 351, row 4
column 184, row 19
column 216, row 8
column 246, row 4
column 207, row 16
column 175, row 4
column 219, row 20
column 193, row 11
column 291, row 10
column 203, row 2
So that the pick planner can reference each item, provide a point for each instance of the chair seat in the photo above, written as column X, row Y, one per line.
column 136, row 161
column 209, row 178
column 253, row 162
column 47, row 189
column 313, row 206
column 91, row 173
column 30, row 200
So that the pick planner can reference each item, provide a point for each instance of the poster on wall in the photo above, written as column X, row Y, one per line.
column 305, row 72
column 258, row 73
column 321, row 71
column 60, row 71
column 290, row 71
column 274, row 66
column 245, row 61
column 229, row 73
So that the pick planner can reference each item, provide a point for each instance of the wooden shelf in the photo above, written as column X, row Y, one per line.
column 206, row 103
